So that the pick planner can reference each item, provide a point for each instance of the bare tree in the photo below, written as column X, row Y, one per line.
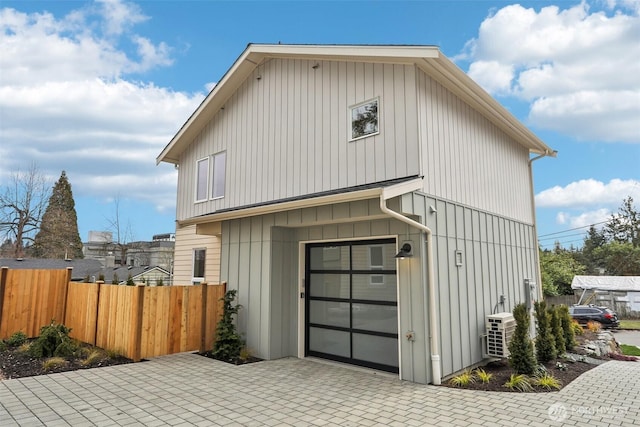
column 22, row 203
column 122, row 232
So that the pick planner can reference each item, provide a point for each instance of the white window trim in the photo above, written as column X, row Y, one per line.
column 195, row 279
column 350, row 119
column 212, row 173
column 206, row 194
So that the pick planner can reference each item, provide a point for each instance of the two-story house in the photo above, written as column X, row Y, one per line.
column 371, row 205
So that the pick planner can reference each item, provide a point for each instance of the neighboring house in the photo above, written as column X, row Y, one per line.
column 147, row 275
column 159, row 251
column 82, row 268
column 307, row 169
column 620, row 293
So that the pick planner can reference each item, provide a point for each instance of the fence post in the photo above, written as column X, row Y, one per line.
column 65, row 292
column 3, row 282
column 138, row 308
column 203, row 323
column 95, row 332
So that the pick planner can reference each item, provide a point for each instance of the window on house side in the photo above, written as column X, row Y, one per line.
column 199, row 256
column 218, row 175
column 364, row 119
column 202, row 179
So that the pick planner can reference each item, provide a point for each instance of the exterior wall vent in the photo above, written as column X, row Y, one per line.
column 500, row 328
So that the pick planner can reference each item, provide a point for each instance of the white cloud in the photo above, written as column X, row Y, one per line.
column 68, row 101
column 589, row 192
column 576, row 67
column 584, row 219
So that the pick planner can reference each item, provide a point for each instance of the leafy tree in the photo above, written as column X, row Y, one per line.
column 521, row 355
column 22, row 204
column 592, row 261
column 620, row 258
column 58, row 236
column 558, row 268
column 545, row 340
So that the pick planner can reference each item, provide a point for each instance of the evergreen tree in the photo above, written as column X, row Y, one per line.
column 58, row 236
column 521, row 355
column 567, row 327
column 545, row 340
column 556, row 328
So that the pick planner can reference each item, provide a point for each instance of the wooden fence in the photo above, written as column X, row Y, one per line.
column 135, row 321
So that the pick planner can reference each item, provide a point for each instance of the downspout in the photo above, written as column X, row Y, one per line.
column 433, row 319
column 535, row 232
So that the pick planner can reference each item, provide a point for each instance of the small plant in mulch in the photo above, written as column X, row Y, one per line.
column 463, row 379
column 548, row 382
column 594, row 326
column 519, row 382
column 53, row 363
column 229, row 346
column 17, row 339
column 483, row 375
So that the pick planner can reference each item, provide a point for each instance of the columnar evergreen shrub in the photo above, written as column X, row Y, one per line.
column 229, row 343
column 115, row 279
column 556, row 328
column 567, row 327
column 521, row 355
column 130, row 281
column 545, row 341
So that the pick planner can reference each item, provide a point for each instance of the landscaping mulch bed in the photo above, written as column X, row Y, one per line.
column 501, row 372
column 238, row 361
column 17, row 364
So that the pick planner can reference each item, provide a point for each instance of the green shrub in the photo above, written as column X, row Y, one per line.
column 3, row 346
column 17, row 339
column 53, row 341
column 159, row 282
column 130, row 281
column 229, row 343
column 521, row 355
column 556, row 329
column 115, row 280
column 567, row 327
column 545, row 341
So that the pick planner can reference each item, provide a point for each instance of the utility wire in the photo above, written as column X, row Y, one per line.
column 573, row 229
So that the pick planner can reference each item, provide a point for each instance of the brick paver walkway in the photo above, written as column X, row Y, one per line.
column 187, row 389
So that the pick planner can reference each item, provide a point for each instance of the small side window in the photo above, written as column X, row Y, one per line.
column 199, row 256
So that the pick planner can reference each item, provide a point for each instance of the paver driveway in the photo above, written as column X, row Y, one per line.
column 187, row 389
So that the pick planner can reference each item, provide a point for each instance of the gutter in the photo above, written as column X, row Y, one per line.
column 388, row 193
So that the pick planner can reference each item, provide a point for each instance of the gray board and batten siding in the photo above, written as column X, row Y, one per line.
column 261, row 259
column 285, row 131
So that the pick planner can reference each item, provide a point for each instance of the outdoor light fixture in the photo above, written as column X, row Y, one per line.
column 405, row 251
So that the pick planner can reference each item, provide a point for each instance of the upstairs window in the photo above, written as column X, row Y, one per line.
column 202, row 179
column 364, row 119
column 218, row 175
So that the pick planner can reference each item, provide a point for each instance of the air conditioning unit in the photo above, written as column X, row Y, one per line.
column 500, row 328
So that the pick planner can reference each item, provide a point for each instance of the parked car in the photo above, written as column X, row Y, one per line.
column 605, row 316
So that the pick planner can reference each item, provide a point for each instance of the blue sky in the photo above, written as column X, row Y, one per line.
column 99, row 88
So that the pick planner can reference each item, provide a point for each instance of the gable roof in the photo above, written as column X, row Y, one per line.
column 123, row 272
column 428, row 58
